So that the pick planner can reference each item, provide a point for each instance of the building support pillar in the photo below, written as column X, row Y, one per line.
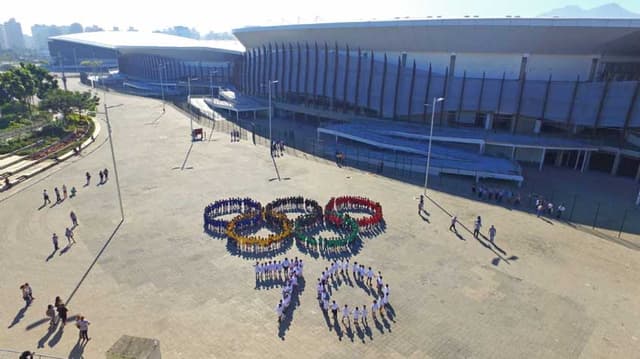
column 544, row 152
column 616, row 164
column 559, row 158
column 488, row 121
column 575, row 166
column 585, row 159
column 638, row 174
column 513, row 153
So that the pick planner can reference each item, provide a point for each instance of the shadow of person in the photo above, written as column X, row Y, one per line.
column 18, row 316
column 56, row 338
column 51, row 255
column 546, row 220
column 424, row 218
column 391, row 313
column 43, row 340
column 460, row 237
column 349, row 332
column 378, row 325
column 386, row 324
column 337, row 328
column 65, row 249
column 41, row 207
column 367, row 330
column 37, row 323
column 77, row 350
column 359, row 332
column 325, row 314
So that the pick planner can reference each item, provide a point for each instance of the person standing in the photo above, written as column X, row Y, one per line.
column 27, row 294
column 106, row 174
column 345, row 315
column 83, row 326
column 54, row 239
column 69, row 234
column 101, row 177
column 62, row 313
column 492, row 233
column 74, row 219
column 64, row 191
column 476, row 227
column 88, row 176
column 560, row 210
column 452, row 227
column 421, row 204
column 51, row 314
column 58, row 199
column 45, row 195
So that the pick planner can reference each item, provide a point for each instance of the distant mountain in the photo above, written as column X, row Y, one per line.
column 611, row 11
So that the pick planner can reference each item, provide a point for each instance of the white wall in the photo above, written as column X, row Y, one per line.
column 561, row 67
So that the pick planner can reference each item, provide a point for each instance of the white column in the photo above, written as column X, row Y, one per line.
column 559, row 158
column 544, row 152
column 488, row 121
column 585, row 159
column 513, row 153
column 616, row 164
column 575, row 166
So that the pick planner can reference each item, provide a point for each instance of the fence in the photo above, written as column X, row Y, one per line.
column 12, row 354
column 581, row 208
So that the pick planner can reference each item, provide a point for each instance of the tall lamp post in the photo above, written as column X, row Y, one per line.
column 113, row 155
column 433, row 112
column 160, row 68
column 189, row 104
column 271, row 82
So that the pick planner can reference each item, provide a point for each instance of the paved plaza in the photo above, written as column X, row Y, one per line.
column 546, row 290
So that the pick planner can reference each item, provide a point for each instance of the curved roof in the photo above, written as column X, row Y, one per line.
column 129, row 40
column 498, row 35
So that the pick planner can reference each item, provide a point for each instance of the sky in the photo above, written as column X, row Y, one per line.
column 213, row 15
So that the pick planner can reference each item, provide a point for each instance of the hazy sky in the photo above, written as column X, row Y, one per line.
column 219, row 15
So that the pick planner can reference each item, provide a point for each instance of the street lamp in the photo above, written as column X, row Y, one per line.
column 189, row 104
column 433, row 112
column 113, row 155
column 160, row 68
column 271, row 82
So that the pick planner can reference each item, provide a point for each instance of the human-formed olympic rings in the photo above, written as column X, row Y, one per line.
column 275, row 221
column 217, row 226
column 273, row 216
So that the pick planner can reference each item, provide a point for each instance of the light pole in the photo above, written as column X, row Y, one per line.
column 271, row 82
column 433, row 112
column 160, row 68
column 113, row 155
column 189, row 104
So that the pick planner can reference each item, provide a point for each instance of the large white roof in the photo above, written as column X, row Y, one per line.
column 133, row 39
column 493, row 35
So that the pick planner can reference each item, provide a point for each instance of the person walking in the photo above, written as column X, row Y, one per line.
column 476, row 227
column 64, row 191
column 74, row 219
column 54, row 239
column 492, row 233
column 101, row 177
column 345, row 315
column 83, row 327
column 51, row 314
column 106, row 174
column 452, row 227
column 62, row 313
column 69, row 234
column 45, row 195
column 88, row 176
column 58, row 199
column 27, row 294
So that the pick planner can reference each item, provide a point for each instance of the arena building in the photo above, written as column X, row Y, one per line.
column 554, row 91
column 147, row 61
column 561, row 92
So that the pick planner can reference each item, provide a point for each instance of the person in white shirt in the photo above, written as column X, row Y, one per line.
column 345, row 314
column 83, row 326
column 370, row 277
column 354, row 269
column 356, row 315
column 492, row 233
column 257, row 269
column 334, row 310
column 287, row 300
column 379, row 281
column 364, row 314
column 285, row 266
column 374, row 308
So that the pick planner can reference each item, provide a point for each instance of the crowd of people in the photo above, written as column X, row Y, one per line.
column 218, row 226
column 337, row 272
column 499, row 195
column 292, row 272
column 358, row 204
column 277, row 148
